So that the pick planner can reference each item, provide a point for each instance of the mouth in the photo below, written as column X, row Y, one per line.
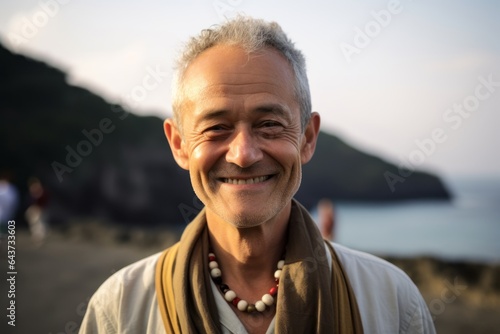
column 250, row 180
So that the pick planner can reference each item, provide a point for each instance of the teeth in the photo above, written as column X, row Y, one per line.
column 246, row 181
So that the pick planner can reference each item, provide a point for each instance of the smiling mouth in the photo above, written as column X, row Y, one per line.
column 251, row 180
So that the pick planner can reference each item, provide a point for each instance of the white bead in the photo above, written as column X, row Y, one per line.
column 215, row 273
column 211, row 254
column 281, row 263
column 277, row 273
column 242, row 305
column 230, row 295
column 260, row 306
column 213, row 265
column 268, row 299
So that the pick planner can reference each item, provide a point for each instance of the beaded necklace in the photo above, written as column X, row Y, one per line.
column 230, row 296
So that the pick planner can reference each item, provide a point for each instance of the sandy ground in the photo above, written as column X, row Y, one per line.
column 55, row 281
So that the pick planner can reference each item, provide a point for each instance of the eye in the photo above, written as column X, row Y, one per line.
column 217, row 131
column 270, row 127
column 269, row 124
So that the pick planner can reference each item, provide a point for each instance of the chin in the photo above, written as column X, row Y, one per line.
column 248, row 218
column 247, row 223
column 245, row 220
column 248, row 213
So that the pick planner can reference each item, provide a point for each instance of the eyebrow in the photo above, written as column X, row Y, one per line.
column 271, row 108
column 213, row 114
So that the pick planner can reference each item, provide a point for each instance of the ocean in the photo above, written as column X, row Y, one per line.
column 464, row 229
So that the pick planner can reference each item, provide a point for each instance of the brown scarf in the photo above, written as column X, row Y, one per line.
column 312, row 298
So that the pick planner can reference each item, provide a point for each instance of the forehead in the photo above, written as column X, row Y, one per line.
column 230, row 71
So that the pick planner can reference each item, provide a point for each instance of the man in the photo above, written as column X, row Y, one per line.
column 326, row 219
column 253, row 260
column 9, row 201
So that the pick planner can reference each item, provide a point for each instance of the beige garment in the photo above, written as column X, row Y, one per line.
column 312, row 297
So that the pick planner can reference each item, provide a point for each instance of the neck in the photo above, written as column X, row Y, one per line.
column 248, row 257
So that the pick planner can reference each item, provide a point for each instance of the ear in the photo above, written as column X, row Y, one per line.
column 176, row 143
column 309, row 138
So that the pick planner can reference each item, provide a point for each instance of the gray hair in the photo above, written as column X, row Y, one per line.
column 252, row 35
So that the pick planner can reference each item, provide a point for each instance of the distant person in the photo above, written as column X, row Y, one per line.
column 36, row 214
column 326, row 217
column 253, row 260
column 9, row 201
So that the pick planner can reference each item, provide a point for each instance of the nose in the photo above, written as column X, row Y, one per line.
column 244, row 149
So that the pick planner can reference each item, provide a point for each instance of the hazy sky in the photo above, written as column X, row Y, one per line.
column 412, row 80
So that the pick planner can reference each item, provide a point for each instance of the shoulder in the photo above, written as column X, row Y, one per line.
column 137, row 275
column 387, row 298
column 374, row 279
column 114, row 305
column 356, row 262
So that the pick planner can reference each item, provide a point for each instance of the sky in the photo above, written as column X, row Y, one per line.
column 415, row 82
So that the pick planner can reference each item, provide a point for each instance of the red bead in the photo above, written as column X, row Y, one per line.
column 235, row 301
column 273, row 291
column 211, row 258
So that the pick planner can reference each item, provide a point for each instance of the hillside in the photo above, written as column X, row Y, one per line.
column 99, row 161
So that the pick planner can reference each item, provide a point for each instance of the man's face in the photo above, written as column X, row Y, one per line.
column 242, row 140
